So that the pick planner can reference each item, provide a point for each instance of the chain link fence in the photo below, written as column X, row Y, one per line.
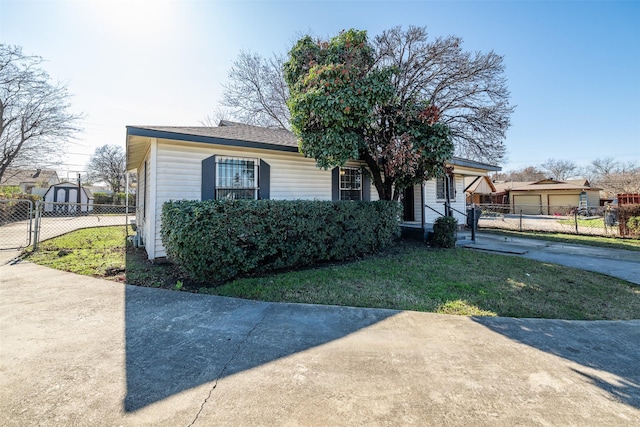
column 16, row 223
column 596, row 221
column 24, row 223
column 56, row 219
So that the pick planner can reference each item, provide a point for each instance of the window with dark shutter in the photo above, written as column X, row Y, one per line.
column 234, row 178
column 350, row 184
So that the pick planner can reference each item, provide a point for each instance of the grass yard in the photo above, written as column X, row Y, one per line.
column 97, row 251
column 409, row 276
column 585, row 222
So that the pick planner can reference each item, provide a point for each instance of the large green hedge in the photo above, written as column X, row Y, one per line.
column 221, row 239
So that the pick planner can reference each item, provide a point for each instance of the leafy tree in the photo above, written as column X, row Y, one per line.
column 560, row 169
column 35, row 121
column 108, row 164
column 468, row 88
column 346, row 106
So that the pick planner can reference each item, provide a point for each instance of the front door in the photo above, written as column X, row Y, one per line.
column 408, row 204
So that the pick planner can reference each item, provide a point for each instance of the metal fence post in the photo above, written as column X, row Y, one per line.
column 520, row 220
column 36, row 229
column 575, row 218
column 30, row 220
column 473, row 224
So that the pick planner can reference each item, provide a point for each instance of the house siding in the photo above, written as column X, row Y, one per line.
column 430, row 200
column 179, row 177
column 144, row 211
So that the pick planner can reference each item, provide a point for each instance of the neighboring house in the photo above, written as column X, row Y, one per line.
column 63, row 198
column 29, row 179
column 478, row 190
column 249, row 162
column 547, row 196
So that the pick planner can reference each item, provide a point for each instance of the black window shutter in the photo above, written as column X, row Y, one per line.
column 264, row 182
column 208, row 190
column 366, row 187
column 335, row 184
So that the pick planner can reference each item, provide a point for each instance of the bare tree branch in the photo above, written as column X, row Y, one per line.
column 257, row 92
column 468, row 88
column 35, row 121
column 108, row 164
column 560, row 169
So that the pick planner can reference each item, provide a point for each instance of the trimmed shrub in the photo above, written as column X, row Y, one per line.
column 218, row 240
column 100, row 198
column 444, row 232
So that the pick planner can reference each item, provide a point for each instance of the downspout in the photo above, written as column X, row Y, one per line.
column 422, row 202
column 126, row 203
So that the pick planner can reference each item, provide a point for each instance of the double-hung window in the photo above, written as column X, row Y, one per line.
column 236, row 178
column 350, row 184
column 444, row 182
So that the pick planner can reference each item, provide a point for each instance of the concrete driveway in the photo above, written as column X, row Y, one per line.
column 19, row 234
column 622, row 264
column 78, row 351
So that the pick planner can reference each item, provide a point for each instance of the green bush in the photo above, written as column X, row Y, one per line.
column 633, row 225
column 627, row 218
column 221, row 239
column 100, row 198
column 444, row 232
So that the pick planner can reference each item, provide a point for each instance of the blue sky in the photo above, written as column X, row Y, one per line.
column 573, row 67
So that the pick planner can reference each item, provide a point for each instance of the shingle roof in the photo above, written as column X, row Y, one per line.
column 542, row 185
column 238, row 134
column 19, row 176
column 233, row 131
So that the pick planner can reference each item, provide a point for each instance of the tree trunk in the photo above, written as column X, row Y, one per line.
column 383, row 186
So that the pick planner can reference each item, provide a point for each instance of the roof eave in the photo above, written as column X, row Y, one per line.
column 184, row 137
column 457, row 161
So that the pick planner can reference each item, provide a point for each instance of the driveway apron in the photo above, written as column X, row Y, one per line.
column 81, row 351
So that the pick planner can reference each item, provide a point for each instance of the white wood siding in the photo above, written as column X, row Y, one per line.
column 142, row 195
column 179, row 177
column 430, row 200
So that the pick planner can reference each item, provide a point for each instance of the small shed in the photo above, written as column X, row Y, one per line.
column 63, row 198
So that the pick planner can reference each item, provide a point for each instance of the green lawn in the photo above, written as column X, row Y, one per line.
column 409, row 276
column 98, row 251
column 457, row 281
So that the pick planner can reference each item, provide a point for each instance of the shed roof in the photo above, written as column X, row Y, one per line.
column 67, row 184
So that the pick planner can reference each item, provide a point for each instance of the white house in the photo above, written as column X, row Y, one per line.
column 241, row 161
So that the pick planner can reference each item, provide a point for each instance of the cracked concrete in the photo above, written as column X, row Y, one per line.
column 224, row 368
column 78, row 351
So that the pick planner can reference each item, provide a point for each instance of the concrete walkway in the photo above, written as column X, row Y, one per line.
column 613, row 262
column 79, row 351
